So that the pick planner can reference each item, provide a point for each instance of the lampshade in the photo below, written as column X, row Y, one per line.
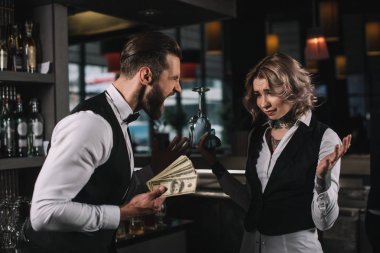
column 312, row 66
column 113, row 61
column 214, row 37
column 272, row 43
column 190, row 61
column 329, row 19
column 316, row 47
column 188, row 71
column 372, row 31
column 340, row 66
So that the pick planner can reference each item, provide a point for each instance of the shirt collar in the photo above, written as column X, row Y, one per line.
column 305, row 118
column 121, row 105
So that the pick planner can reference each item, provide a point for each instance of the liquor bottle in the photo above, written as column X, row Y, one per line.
column 3, row 49
column 35, row 129
column 21, row 129
column 7, row 126
column 30, row 49
column 2, row 90
column 11, row 44
column 12, row 98
column 15, row 49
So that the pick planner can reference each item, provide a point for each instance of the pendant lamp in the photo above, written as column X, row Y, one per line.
column 316, row 47
column 272, row 40
column 272, row 43
column 190, row 61
column 113, row 61
column 214, row 37
column 372, row 32
column 340, row 66
column 329, row 19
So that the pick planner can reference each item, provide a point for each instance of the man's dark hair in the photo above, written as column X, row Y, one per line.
column 148, row 49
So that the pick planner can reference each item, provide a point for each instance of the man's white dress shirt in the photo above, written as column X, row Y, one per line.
column 80, row 143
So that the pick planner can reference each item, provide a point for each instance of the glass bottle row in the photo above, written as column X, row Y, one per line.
column 18, row 49
column 21, row 132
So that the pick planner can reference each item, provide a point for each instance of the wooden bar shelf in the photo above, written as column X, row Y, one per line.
column 25, row 77
column 22, row 162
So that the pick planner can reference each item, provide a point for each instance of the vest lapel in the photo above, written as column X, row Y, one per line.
column 122, row 141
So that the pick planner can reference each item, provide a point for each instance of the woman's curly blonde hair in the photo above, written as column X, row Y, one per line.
column 287, row 80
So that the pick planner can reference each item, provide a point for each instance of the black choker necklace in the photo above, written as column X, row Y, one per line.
column 277, row 124
column 287, row 121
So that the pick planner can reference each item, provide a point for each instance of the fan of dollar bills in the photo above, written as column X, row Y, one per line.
column 179, row 178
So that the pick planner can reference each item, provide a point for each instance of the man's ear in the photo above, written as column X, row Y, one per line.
column 145, row 75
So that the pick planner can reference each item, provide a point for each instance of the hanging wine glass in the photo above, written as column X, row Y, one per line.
column 199, row 124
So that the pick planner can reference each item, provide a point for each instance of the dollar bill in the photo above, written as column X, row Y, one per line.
column 179, row 178
column 182, row 163
column 180, row 174
column 176, row 186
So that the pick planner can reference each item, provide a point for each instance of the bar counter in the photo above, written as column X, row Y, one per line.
column 169, row 237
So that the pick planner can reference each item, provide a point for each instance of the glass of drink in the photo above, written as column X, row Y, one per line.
column 136, row 226
column 161, row 216
column 120, row 232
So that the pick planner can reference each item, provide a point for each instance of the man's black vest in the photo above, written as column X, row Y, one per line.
column 285, row 205
column 106, row 186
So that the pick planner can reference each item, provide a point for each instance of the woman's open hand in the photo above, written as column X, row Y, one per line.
column 328, row 162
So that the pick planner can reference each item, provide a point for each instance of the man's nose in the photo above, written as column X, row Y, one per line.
column 177, row 87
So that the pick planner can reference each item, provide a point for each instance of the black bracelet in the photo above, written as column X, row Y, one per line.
column 218, row 170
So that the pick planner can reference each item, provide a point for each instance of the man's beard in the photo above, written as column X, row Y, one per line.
column 153, row 101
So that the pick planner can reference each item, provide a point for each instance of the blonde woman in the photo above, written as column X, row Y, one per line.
column 293, row 162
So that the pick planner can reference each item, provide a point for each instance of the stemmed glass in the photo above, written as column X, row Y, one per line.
column 161, row 215
column 8, row 226
column 13, row 214
column 199, row 124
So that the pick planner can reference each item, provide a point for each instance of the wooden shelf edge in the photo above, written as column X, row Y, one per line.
column 19, row 163
column 26, row 77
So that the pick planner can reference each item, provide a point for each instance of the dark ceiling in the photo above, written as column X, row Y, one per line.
column 151, row 14
column 161, row 14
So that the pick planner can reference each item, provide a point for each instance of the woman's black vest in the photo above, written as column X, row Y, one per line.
column 106, row 186
column 285, row 205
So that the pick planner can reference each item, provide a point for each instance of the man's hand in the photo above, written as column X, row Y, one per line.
column 328, row 162
column 143, row 204
column 163, row 157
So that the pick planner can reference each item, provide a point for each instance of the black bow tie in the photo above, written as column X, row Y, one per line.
column 132, row 117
